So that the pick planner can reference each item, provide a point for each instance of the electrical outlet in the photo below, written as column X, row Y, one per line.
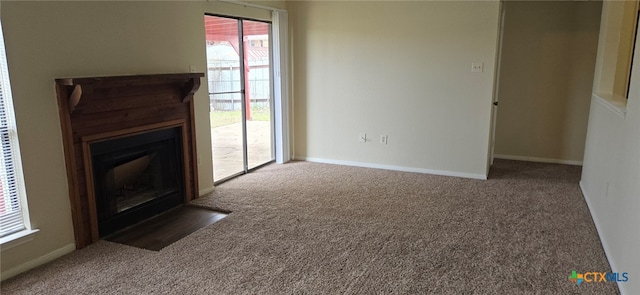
column 193, row 69
column 384, row 139
column 477, row 67
column 362, row 137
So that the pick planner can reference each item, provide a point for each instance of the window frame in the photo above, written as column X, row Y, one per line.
column 25, row 232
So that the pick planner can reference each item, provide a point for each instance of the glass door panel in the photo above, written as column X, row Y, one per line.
column 226, row 135
column 259, row 120
column 225, row 95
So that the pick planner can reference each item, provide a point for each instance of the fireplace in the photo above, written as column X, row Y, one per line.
column 130, row 148
column 136, row 177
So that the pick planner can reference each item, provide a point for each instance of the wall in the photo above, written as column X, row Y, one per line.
column 401, row 69
column 617, row 32
column 612, row 168
column 546, row 75
column 48, row 40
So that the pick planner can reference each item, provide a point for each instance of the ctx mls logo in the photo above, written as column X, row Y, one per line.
column 576, row 277
column 597, row 277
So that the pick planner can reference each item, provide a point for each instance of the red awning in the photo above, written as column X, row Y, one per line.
column 217, row 27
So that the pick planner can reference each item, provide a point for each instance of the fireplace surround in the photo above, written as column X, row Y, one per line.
column 113, row 132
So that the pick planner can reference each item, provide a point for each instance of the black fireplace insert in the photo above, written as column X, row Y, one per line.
column 137, row 177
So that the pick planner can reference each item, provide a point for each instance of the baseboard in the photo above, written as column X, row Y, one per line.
column 603, row 241
column 392, row 167
column 37, row 262
column 205, row 191
column 535, row 159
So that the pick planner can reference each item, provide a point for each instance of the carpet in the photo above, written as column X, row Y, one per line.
column 327, row 229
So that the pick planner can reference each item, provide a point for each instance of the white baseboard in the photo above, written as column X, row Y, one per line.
column 392, row 167
column 205, row 191
column 603, row 241
column 38, row 261
column 535, row 159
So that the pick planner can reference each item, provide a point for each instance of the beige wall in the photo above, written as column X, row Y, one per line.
column 612, row 159
column 48, row 40
column 397, row 68
column 610, row 181
column 546, row 76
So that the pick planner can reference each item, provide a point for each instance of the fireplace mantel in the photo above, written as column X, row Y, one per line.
column 78, row 86
column 96, row 108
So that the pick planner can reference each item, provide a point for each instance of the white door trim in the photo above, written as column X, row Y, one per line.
column 281, row 85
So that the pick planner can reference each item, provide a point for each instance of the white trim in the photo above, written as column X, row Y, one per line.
column 13, row 155
column 281, row 85
column 536, row 159
column 496, row 86
column 247, row 4
column 616, row 104
column 605, row 246
column 37, row 262
column 16, row 239
column 393, row 167
column 205, row 191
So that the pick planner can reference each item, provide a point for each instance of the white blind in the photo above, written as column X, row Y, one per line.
column 11, row 209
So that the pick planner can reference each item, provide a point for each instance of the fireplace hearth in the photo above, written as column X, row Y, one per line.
column 130, row 148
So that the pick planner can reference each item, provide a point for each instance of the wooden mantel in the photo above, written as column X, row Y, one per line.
column 104, row 107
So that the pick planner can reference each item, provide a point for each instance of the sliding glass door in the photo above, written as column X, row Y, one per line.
column 240, row 94
column 258, row 93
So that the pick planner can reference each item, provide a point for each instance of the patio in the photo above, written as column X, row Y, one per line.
column 227, row 147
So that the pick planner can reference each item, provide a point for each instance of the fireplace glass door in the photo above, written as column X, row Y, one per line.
column 136, row 177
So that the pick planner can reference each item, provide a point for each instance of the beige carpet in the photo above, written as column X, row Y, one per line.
column 326, row 229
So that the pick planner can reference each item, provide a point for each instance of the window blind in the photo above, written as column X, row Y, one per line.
column 11, row 209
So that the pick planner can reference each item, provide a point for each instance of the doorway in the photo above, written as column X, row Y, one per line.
column 240, row 84
column 545, row 78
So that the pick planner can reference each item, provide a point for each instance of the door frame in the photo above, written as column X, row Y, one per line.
column 496, row 87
